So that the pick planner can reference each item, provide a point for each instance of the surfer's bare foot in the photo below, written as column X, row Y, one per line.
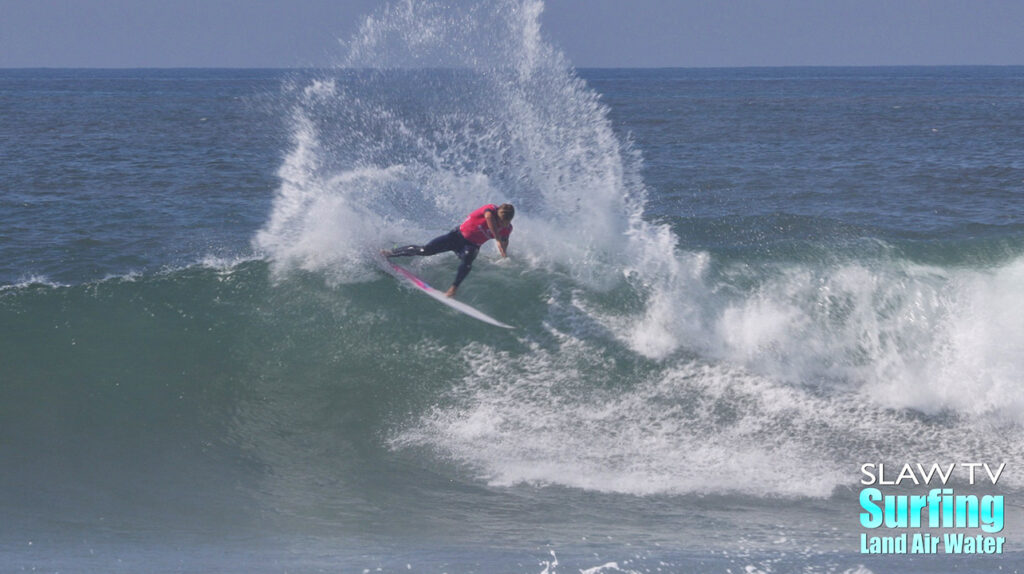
column 385, row 252
column 451, row 291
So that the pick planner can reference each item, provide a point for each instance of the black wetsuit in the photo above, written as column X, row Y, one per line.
column 452, row 241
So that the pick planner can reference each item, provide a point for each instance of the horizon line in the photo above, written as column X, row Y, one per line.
column 285, row 68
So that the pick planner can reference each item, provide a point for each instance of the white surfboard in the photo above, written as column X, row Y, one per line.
column 407, row 275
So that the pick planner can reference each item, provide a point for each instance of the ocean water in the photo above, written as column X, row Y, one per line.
column 731, row 288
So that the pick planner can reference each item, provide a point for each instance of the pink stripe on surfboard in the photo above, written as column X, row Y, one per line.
column 419, row 282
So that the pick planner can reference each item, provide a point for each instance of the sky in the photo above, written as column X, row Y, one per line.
column 592, row 33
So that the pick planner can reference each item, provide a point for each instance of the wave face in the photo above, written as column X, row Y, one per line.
column 707, row 345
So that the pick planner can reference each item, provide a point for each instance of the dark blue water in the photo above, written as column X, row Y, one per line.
column 731, row 288
column 897, row 153
column 110, row 172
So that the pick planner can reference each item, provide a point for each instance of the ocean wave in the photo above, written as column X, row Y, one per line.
column 752, row 362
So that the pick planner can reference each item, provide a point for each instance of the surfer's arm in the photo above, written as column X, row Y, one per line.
column 492, row 224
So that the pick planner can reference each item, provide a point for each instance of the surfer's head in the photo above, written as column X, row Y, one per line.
column 506, row 212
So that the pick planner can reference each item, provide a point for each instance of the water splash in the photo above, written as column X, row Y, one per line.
column 436, row 111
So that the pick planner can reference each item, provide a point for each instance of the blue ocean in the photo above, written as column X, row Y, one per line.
column 732, row 288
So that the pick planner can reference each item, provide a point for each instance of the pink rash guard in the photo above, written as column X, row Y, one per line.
column 475, row 228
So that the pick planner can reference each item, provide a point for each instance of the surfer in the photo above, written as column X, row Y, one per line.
column 487, row 222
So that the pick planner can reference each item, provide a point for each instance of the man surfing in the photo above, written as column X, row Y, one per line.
column 487, row 222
